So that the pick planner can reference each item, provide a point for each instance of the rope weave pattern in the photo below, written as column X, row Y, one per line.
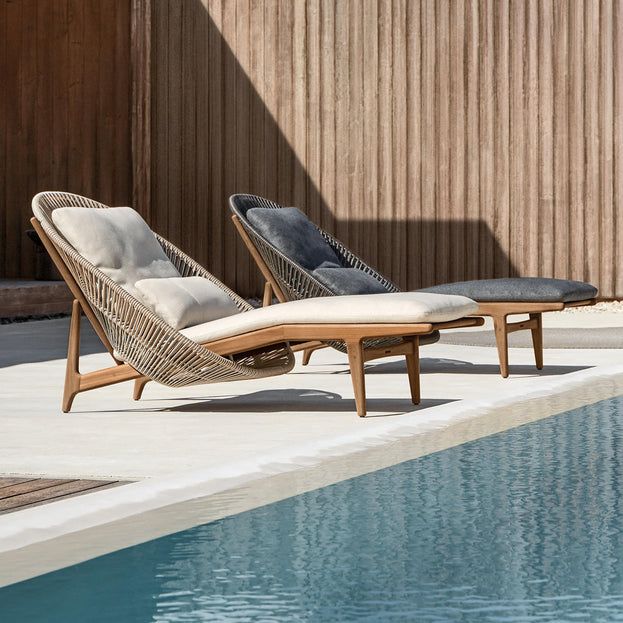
column 141, row 338
column 295, row 282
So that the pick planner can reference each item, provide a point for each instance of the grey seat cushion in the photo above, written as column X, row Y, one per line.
column 290, row 231
column 342, row 281
column 519, row 289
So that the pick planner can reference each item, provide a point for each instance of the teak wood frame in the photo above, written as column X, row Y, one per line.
column 352, row 335
column 498, row 311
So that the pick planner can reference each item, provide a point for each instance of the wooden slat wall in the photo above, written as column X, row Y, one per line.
column 64, row 110
column 442, row 140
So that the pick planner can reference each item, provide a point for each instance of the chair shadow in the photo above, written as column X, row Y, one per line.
column 43, row 340
column 455, row 366
column 299, row 401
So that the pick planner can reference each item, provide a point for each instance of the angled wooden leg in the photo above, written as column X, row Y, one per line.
column 537, row 339
column 268, row 295
column 307, row 353
column 355, row 361
column 501, row 339
column 139, row 386
column 76, row 382
column 413, row 370
column 72, row 370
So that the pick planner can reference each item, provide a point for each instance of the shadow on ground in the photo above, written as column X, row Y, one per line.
column 298, row 401
column 456, row 366
column 43, row 340
column 586, row 337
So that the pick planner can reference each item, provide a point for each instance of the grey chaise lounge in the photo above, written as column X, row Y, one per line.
column 300, row 260
column 163, row 317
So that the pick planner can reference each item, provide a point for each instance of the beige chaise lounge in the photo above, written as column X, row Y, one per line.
column 163, row 317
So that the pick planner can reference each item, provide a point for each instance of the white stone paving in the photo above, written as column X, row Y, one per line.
column 107, row 435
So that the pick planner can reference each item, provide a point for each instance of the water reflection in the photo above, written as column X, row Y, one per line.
column 525, row 525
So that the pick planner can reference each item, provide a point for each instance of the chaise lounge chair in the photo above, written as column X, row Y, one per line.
column 299, row 260
column 162, row 317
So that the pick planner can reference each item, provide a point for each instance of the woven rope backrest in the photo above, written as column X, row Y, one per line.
column 295, row 281
column 139, row 336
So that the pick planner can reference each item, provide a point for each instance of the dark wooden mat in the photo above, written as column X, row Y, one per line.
column 17, row 493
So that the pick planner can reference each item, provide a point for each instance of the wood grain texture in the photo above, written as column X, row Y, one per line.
column 64, row 111
column 440, row 140
column 18, row 493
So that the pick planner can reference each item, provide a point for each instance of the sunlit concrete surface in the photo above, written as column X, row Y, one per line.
column 107, row 435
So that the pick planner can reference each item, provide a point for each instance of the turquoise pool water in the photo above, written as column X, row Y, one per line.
column 526, row 525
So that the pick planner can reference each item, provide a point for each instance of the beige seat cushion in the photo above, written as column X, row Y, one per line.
column 117, row 241
column 399, row 307
column 185, row 301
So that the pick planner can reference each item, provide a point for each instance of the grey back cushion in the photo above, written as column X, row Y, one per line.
column 343, row 281
column 290, row 231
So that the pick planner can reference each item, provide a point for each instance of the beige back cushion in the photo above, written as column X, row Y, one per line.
column 185, row 301
column 117, row 241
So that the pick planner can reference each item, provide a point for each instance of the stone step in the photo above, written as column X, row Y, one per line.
column 20, row 298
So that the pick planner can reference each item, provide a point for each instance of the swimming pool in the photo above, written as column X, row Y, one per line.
column 524, row 525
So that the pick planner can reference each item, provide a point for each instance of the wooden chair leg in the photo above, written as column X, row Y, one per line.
column 355, row 361
column 307, row 353
column 72, row 370
column 501, row 339
column 537, row 339
column 268, row 295
column 139, row 386
column 413, row 370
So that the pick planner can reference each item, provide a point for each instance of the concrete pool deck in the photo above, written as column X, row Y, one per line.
column 203, row 453
column 109, row 436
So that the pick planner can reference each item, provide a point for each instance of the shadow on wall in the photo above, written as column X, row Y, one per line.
column 213, row 135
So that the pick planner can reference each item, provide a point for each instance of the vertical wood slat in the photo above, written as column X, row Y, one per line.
column 592, row 197
column 141, row 85
column 472, row 121
column 502, row 146
column 216, row 144
column 458, row 136
column 561, row 139
column 485, row 148
column 398, row 214
column 4, row 114
column 606, row 142
column 429, row 143
column 576, row 139
column 618, row 147
column 369, row 210
column 517, row 145
column 342, row 107
column 242, row 107
column 531, row 93
column 413, row 207
column 443, row 251
column 546, row 134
